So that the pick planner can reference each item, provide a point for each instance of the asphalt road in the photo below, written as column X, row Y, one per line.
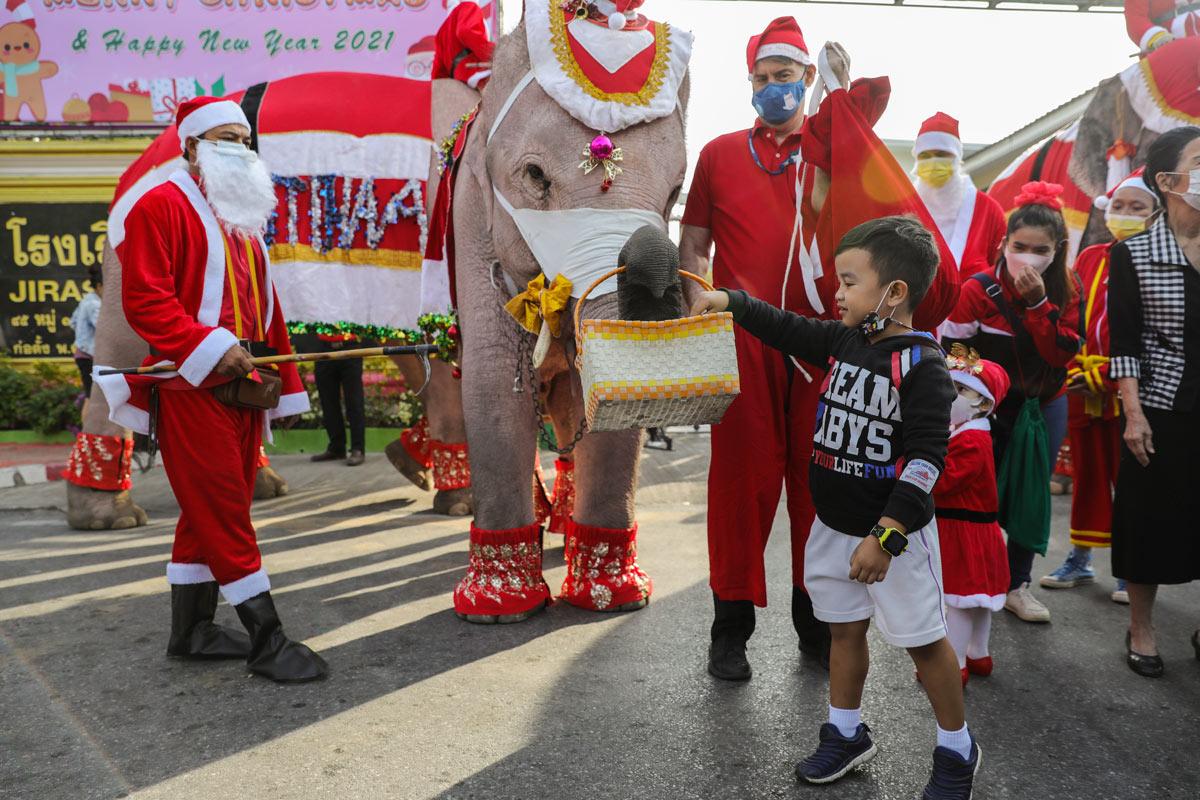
column 568, row 705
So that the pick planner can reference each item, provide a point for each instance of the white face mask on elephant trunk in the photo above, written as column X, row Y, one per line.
column 579, row 243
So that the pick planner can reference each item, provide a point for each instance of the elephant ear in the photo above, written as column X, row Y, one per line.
column 1107, row 118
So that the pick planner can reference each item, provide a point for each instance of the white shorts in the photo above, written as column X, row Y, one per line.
column 908, row 604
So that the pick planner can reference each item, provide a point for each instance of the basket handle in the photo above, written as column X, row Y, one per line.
column 708, row 287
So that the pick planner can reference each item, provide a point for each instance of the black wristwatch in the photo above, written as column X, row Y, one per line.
column 891, row 540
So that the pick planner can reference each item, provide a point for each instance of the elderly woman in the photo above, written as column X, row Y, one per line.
column 1154, row 310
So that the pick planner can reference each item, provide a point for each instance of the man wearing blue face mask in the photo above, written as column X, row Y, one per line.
column 747, row 197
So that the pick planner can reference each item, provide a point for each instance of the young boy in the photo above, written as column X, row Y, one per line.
column 881, row 435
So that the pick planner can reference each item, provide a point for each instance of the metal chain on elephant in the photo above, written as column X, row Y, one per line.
column 525, row 355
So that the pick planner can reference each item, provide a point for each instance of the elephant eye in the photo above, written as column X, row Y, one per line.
column 538, row 178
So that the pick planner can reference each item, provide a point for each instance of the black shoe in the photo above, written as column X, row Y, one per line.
column 356, row 458
column 272, row 654
column 727, row 660
column 1196, row 644
column 836, row 755
column 329, row 455
column 953, row 777
column 193, row 632
column 1146, row 666
column 814, row 634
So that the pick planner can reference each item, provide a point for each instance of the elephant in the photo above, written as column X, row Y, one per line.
column 1134, row 107
column 395, row 145
column 523, row 150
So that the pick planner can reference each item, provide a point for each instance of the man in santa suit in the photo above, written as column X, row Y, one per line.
column 743, row 200
column 971, row 223
column 1153, row 23
column 196, row 285
column 463, row 45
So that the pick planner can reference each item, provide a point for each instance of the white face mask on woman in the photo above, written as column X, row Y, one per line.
column 1192, row 195
column 1018, row 261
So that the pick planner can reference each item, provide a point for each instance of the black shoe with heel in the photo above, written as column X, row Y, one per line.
column 329, row 455
column 272, row 654
column 194, row 635
column 1146, row 666
column 1196, row 644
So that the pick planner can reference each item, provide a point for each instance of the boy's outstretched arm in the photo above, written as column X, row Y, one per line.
column 812, row 340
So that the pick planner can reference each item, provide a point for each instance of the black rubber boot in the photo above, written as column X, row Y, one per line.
column 272, row 654
column 733, row 625
column 193, row 632
column 814, row 634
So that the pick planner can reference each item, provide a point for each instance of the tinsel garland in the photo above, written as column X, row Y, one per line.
column 439, row 329
column 334, row 224
column 446, row 146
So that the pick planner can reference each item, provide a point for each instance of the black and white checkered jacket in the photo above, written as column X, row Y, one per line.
column 1154, row 319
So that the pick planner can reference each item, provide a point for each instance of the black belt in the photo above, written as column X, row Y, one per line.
column 966, row 515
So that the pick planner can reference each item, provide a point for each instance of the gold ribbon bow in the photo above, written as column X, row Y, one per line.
column 541, row 303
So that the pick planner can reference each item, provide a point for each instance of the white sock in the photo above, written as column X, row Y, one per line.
column 846, row 720
column 958, row 631
column 981, row 631
column 958, row 741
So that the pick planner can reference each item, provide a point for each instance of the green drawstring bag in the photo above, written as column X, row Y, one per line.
column 1024, row 481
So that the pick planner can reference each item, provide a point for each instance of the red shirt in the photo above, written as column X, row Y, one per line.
column 750, row 212
column 968, row 480
column 248, row 293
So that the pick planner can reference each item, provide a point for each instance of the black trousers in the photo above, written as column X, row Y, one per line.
column 335, row 379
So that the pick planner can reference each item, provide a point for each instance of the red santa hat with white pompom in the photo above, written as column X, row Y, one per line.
column 199, row 115
column 1135, row 181
column 782, row 38
column 939, row 132
column 20, row 9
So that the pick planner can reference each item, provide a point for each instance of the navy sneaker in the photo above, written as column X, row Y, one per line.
column 836, row 755
column 953, row 776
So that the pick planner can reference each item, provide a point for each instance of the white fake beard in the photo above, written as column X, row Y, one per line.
column 944, row 202
column 239, row 190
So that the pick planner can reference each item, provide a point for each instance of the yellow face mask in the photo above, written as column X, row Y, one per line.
column 1122, row 226
column 936, row 171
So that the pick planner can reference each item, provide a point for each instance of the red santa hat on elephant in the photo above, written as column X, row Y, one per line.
column 782, row 38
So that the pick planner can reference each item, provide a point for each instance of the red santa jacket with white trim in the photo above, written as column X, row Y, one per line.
column 1092, row 267
column 173, row 288
column 988, row 227
column 1145, row 19
column 462, row 49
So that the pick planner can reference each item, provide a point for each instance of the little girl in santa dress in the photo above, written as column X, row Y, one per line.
column 974, row 557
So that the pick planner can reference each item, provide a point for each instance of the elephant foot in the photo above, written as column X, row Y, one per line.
column 409, row 467
column 504, row 581
column 454, row 502
column 502, row 619
column 268, row 483
column 602, row 569
column 99, row 510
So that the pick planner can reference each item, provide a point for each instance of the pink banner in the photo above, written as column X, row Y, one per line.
column 95, row 61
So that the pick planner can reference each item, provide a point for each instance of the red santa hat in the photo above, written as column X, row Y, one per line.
column 781, row 38
column 20, row 10
column 939, row 132
column 986, row 377
column 1135, row 181
column 199, row 115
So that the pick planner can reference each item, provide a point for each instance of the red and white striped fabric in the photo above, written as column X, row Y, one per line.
column 347, row 129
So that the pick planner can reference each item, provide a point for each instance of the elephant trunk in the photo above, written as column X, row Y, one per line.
column 649, row 289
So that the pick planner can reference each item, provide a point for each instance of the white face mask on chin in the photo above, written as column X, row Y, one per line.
column 580, row 243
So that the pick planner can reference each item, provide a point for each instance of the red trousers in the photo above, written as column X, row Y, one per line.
column 763, row 444
column 1095, row 454
column 210, row 454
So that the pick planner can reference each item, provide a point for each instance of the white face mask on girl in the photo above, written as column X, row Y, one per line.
column 963, row 410
column 1191, row 195
column 1018, row 261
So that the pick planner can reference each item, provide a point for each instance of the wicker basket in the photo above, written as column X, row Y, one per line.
column 652, row 374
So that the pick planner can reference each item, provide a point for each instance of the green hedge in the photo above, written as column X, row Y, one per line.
column 41, row 400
